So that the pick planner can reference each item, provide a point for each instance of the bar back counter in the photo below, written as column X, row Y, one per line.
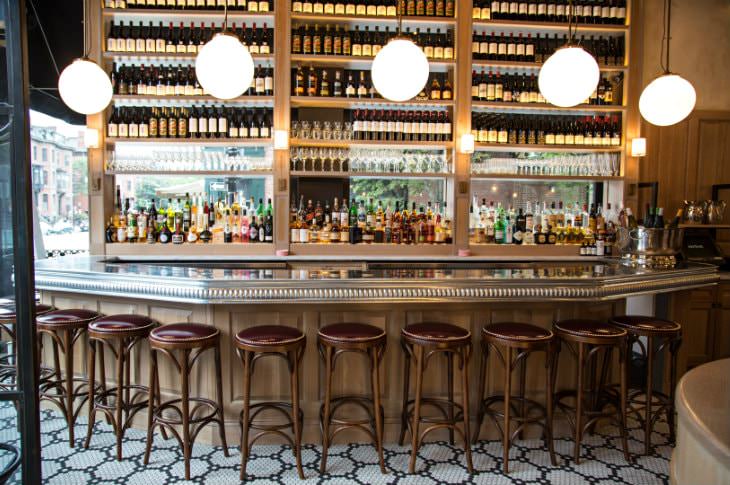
column 309, row 294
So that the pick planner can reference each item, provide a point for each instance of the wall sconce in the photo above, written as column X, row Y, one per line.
column 467, row 143
column 91, row 138
column 638, row 147
column 281, row 140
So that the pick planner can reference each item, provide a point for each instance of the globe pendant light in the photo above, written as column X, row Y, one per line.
column 400, row 70
column 670, row 98
column 571, row 74
column 83, row 85
column 224, row 67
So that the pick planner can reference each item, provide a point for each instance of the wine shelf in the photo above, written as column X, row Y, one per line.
column 237, row 173
column 135, row 100
column 552, row 27
column 342, row 249
column 504, row 147
column 517, row 176
column 262, row 142
column 176, row 15
column 545, row 107
column 532, row 65
column 346, row 103
column 409, row 21
column 372, row 144
column 168, row 57
column 704, row 226
column 397, row 175
column 352, row 62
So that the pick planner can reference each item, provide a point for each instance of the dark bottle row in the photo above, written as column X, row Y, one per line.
column 612, row 12
column 336, row 41
column 193, row 122
column 236, row 5
column 177, row 81
column 599, row 130
column 338, row 83
column 182, row 39
column 376, row 8
column 523, row 88
column 524, row 48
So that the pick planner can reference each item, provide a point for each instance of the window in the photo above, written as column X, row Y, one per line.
column 35, row 153
column 44, row 154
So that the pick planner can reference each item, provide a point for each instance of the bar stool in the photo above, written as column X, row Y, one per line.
column 65, row 327
column 668, row 334
column 121, row 333
column 8, row 371
column 420, row 342
column 586, row 340
column 518, row 340
column 280, row 341
column 333, row 341
column 191, row 340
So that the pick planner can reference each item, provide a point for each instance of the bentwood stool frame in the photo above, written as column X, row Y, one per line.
column 645, row 332
column 255, row 343
column 120, row 334
column 519, row 341
column 65, row 327
column 420, row 342
column 333, row 341
column 586, row 340
column 8, row 369
column 191, row 340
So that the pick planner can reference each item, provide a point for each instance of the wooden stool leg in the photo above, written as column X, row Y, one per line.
column 523, row 382
column 482, row 384
column 125, row 344
column 623, row 357
column 418, row 356
column 507, row 406
column 406, row 386
column 375, row 380
column 579, row 403
column 102, row 378
column 69, row 381
column 185, row 404
column 327, row 404
column 219, row 396
column 295, row 412
column 673, row 353
column 450, row 378
column 466, row 353
column 92, row 408
column 120, row 398
column 56, row 360
column 153, row 401
column 550, row 389
column 246, row 357
column 649, row 395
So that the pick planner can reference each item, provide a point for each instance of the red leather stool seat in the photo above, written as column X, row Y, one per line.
column 436, row 332
column 588, row 328
column 269, row 334
column 350, row 332
column 646, row 325
column 75, row 317
column 183, row 333
column 7, row 312
column 121, row 324
column 517, row 332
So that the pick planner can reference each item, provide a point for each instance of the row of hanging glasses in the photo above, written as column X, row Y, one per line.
column 568, row 164
column 188, row 159
column 321, row 130
column 368, row 160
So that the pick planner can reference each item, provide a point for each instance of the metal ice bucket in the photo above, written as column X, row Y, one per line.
column 644, row 243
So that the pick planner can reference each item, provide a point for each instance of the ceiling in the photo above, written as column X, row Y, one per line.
column 62, row 23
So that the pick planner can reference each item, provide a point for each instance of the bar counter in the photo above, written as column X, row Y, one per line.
column 308, row 294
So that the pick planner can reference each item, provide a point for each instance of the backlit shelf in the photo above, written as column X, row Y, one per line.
column 395, row 175
column 531, row 65
column 227, row 173
column 229, row 142
column 176, row 15
column 356, row 62
column 167, row 57
column 411, row 21
column 188, row 100
column 504, row 147
column 544, row 107
column 422, row 145
column 344, row 103
column 517, row 176
column 552, row 27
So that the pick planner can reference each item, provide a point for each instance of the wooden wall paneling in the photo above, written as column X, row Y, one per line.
column 282, row 120
column 633, row 85
column 709, row 151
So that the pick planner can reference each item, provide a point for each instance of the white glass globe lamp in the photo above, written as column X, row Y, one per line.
column 667, row 100
column 568, row 77
column 85, row 87
column 224, row 67
column 400, row 70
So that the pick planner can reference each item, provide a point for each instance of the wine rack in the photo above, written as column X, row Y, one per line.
column 457, row 177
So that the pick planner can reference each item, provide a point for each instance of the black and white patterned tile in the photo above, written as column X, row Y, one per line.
column 438, row 463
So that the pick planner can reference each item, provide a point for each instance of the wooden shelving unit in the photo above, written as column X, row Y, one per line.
column 458, row 190
column 237, row 173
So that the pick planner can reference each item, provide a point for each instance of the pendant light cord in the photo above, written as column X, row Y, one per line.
column 225, row 16
column 87, row 35
column 572, row 22
column 666, row 36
